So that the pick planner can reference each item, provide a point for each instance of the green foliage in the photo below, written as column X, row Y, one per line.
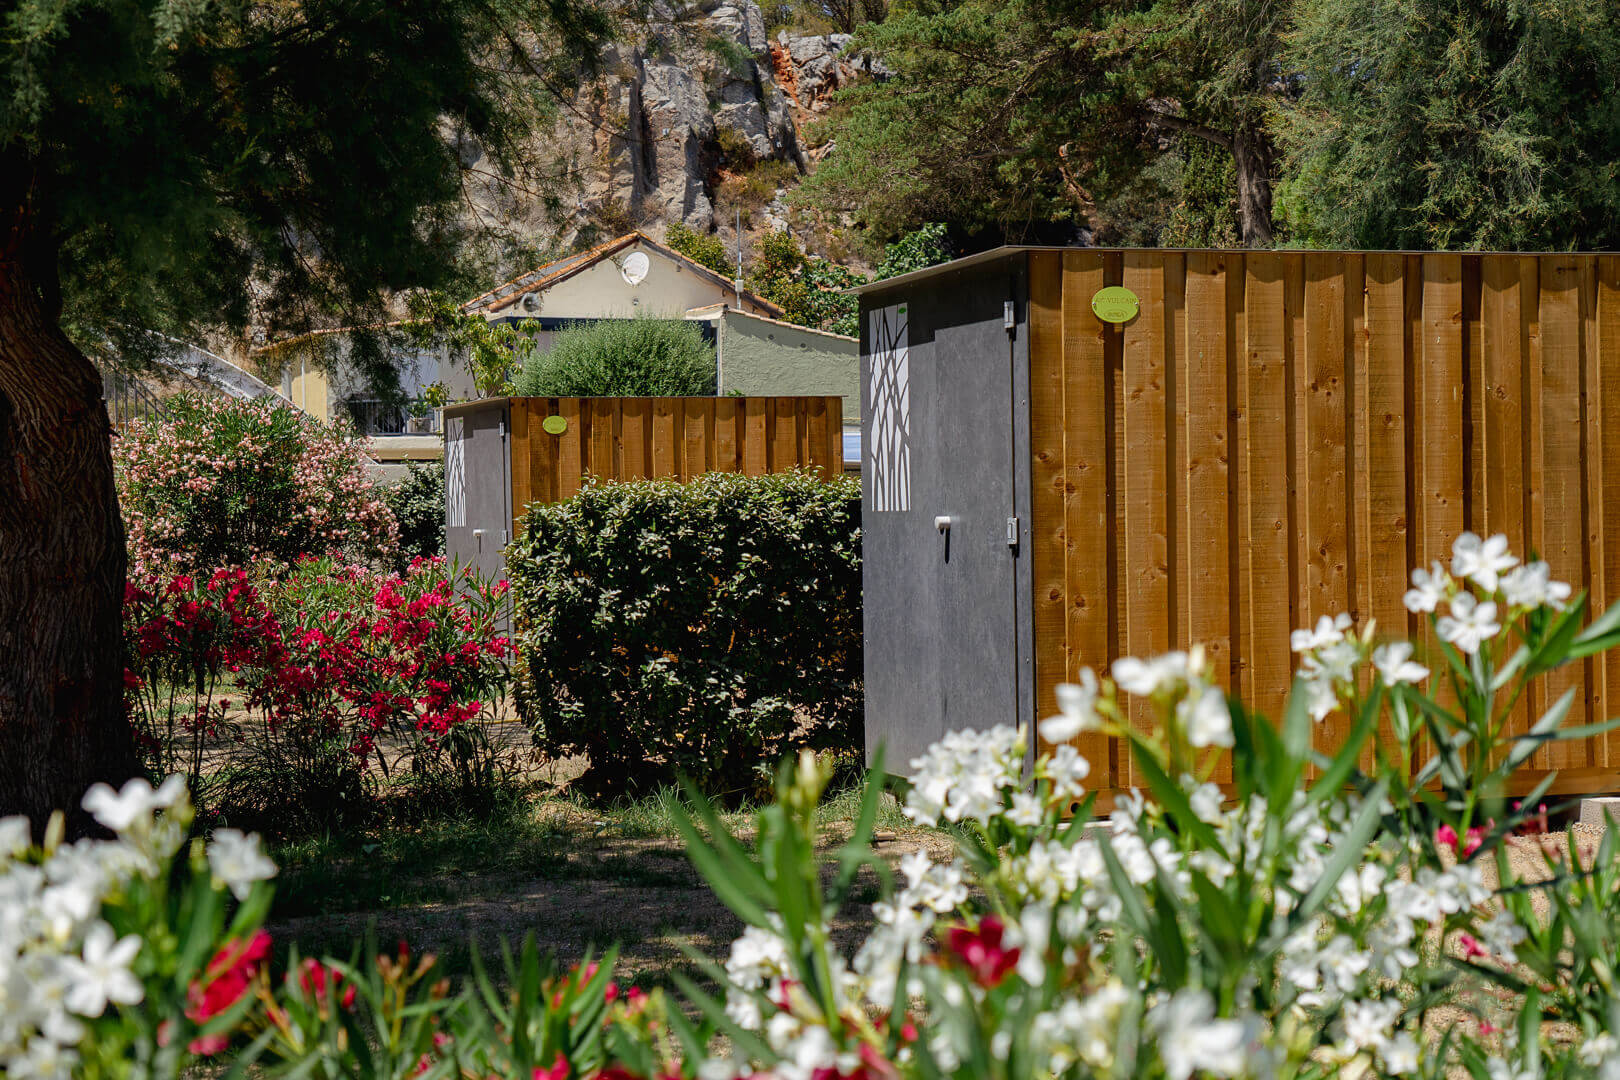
column 698, row 629
column 220, row 482
column 917, row 250
column 1021, row 117
column 490, row 351
column 1205, row 214
column 417, row 503
column 705, row 249
column 183, row 166
column 810, row 290
column 622, row 358
column 1432, row 124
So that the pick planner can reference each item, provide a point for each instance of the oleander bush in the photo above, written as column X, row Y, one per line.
column 1343, row 914
column 290, row 700
column 700, row 629
column 217, row 482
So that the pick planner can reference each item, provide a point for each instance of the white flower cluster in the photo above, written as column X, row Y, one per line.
column 1502, row 587
column 903, row 924
column 61, row 963
column 1183, row 680
column 966, row 776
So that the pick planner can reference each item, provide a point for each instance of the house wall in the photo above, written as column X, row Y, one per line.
column 670, row 289
column 765, row 357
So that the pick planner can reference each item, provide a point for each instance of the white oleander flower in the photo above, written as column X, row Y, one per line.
column 1598, row 1048
column 1077, row 710
column 1207, row 720
column 1501, row 1069
column 1191, row 1039
column 1481, row 561
column 1471, row 623
column 236, row 860
column 136, row 802
column 1144, row 678
column 15, row 836
column 1429, row 587
column 1368, row 1024
column 1329, row 631
column 1400, row 1054
column 102, row 974
column 1532, row 586
column 1067, row 769
column 1395, row 664
column 1026, row 810
column 757, row 956
column 1501, row 934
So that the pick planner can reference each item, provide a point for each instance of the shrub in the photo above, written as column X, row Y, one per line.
column 417, row 503
column 219, row 482
column 339, row 673
column 622, row 358
column 701, row 629
column 705, row 249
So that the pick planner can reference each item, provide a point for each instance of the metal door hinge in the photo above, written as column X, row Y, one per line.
column 1009, row 316
column 1012, row 532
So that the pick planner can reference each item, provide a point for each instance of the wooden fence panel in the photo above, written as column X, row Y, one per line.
column 666, row 437
column 1282, row 435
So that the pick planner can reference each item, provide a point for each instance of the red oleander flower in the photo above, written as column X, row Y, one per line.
column 981, row 951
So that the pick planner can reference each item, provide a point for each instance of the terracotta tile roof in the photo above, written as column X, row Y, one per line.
column 559, row 270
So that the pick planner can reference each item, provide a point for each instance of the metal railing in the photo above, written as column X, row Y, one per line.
column 373, row 416
column 128, row 398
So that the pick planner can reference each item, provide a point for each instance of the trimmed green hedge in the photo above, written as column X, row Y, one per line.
column 700, row 629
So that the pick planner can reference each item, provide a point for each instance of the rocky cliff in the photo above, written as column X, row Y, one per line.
column 697, row 94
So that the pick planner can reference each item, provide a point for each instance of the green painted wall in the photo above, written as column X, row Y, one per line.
column 768, row 358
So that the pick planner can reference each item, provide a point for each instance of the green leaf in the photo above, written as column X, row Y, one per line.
column 1541, row 732
column 743, row 1039
column 1174, row 800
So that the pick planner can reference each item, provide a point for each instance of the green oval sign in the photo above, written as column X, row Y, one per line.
column 555, row 425
column 1115, row 304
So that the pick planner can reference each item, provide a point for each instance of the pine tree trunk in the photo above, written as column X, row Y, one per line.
column 62, row 558
column 1251, row 156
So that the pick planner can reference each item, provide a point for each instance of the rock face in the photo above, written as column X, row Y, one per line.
column 702, row 85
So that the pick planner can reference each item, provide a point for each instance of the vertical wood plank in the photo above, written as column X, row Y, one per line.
column 1561, row 433
column 817, row 445
column 1048, row 526
column 1382, row 483
column 1203, row 568
column 522, row 488
column 635, row 438
column 665, row 438
column 1535, row 462
column 835, row 437
column 570, row 449
column 1265, row 481
column 543, row 455
column 1439, row 405
column 1594, row 466
column 727, row 413
column 604, row 458
column 753, row 440
column 1607, row 319
column 1146, row 569
column 784, row 441
column 1088, row 533
column 1502, row 432
column 696, row 420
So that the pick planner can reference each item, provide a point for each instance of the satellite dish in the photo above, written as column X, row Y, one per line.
column 634, row 268
column 531, row 302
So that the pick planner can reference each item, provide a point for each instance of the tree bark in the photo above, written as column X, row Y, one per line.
column 1251, row 157
column 62, row 558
